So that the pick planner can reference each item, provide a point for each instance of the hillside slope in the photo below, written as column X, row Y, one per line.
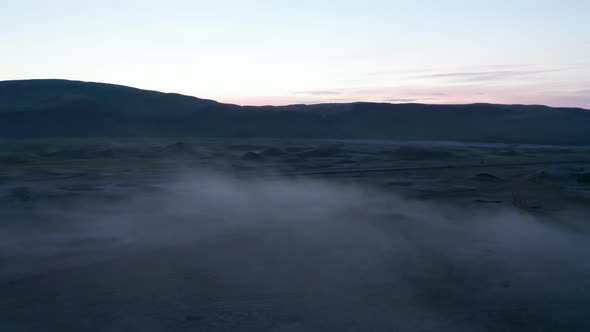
column 60, row 108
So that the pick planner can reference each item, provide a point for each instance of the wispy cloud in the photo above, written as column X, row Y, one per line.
column 496, row 67
column 319, row 92
column 398, row 72
column 522, row 85
column 401, row 100
column 481, row 76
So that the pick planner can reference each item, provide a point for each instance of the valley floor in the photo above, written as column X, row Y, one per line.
column 293, row 235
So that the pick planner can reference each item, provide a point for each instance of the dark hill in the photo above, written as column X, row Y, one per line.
column 60, row 108
column 32, row 95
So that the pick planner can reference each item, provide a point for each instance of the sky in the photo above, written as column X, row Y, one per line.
column 262, row 52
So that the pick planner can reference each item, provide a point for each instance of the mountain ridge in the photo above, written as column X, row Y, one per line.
column 66, row 108
column 57, row 80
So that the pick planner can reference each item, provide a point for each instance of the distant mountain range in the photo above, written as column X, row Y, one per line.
column 61, row 108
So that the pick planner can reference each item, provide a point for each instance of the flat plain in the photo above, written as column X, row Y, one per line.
column 293, row 235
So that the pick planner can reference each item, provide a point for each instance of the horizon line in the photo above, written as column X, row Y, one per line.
column 291, row 104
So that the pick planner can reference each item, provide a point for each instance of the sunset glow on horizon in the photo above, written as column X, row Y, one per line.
column 292, row 52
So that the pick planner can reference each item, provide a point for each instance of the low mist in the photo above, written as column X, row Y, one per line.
column 335, row 254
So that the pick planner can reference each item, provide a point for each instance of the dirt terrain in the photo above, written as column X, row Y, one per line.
column 293, row 235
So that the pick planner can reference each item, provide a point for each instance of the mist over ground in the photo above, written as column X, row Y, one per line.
column 213, row 251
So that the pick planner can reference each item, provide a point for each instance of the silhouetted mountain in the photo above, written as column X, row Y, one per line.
column 60, row 108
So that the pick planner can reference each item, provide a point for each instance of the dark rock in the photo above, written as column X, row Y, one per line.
column 509, row 153
column 240, row 167
column 80, row 154
column 23, row 194
column 242, row 147
column 321, row 153
column 398, row 184
column 81, row 187
column 37, row 171
column 420, row 153
column 584, row 178
column 193, row 318
column 296, row 149
column 106, row 153
column 178, row 147
column 485, row 177
column 273, row 152
column 11, row 283
column 559, row 175
column 126, row 185
column 346, row 161
column 293, row 159
column 252, row 156
column 487, row 201
column 148, row 155
column 527, row 202
column 15, row 159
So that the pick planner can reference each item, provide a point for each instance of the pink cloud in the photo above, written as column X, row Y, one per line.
column 430, row 95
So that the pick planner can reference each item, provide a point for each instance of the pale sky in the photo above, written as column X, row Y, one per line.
column 284, row 52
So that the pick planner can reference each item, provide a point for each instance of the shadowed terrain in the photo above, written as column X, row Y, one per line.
column 292, row 235
column 60, row 108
